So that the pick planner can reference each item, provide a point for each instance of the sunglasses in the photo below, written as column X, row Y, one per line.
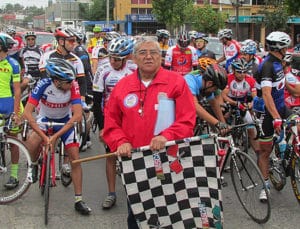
column 241, row 71
column 72, row 40
column 116, row 59
column 30, row 39
column 66, row 82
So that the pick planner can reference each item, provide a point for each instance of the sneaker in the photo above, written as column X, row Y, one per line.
column 11, row 183
column 89, row 144
column 66, row 170
column 263, row 195
column 34, row 171
column 82, row 208
column 109, row 202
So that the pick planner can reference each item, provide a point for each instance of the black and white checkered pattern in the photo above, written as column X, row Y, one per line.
column 174, row 202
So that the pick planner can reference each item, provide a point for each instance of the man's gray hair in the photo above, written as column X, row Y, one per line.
column 145, row 39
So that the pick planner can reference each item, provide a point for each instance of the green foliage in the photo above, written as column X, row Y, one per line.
column 293, row 7
column 206, row 19
column 171, row 12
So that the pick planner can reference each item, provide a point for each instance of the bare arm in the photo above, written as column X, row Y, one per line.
column 216, row 106
column 203, row 114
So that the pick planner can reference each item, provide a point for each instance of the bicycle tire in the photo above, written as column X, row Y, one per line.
column 24, row 170
column 82, row 135
column 247, row 183
column 240, row 136
column 276, row 172
column 24, row 99
column 65, row 180
column 47, row 187
column 295, row 175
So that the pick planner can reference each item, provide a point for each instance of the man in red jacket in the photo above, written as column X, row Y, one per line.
column 131, row 111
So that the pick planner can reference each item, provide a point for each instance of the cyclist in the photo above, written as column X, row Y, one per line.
column 292, row 83
column 241, row 86
column 58, row 96
column 19, row 44
column 270, row 77
column 181, row 58
column 208, row 82
column 163, row 36
column 105, row 80
column 297, row 46
column 248, row 53
column 230, row 46
column 10, row 96
column 192, row 35
column 97, row 40
column 201, row 42
column 30, row 57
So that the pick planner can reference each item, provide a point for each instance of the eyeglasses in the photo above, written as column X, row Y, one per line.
column 116, row 59
column 30, row 39
column 66, row 82
column 145, row 52
column 241, row 71
column 72, row 40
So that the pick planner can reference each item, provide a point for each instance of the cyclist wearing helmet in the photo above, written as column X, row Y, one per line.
column 30, row 57
column 271, row 84
column 231, row 48
column 248, row 53
column 181, row 58
column 163, row 36
column 192, row 35
column 297, row 46
column 292, row 82
column 19, row 44
column 206, row 83
column 97, row 40
column 239, row 92
column 10, row 96
column 66, row 39
column 58, row 96
column 201, row 42
column 105, row 80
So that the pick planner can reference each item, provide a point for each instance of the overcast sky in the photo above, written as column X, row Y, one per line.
column 37, row 3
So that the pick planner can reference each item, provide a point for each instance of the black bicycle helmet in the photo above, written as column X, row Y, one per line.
column 183, row 40
column 217, row 75
column 6, row 42
column 240, row 64
column 60, row 69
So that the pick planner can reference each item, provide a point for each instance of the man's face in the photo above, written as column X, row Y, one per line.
column 240, row 74
column 148, row 57
column 200, row 43
column 69, row 43
column 116, row 62
column 30, row 40
column 246, row 57
column 97, row 34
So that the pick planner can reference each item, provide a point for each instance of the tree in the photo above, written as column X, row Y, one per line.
column 293, row 7
column 205, row 19
column 171, row 12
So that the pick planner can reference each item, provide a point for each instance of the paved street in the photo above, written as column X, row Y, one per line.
column 28, row 212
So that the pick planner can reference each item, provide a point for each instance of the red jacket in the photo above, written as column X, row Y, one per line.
column 123, row 122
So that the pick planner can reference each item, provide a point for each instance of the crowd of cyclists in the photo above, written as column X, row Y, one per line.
column 73, row 76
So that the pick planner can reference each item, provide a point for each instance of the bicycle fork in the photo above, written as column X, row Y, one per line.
column 44, row 167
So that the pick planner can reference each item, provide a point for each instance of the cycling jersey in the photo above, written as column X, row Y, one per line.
column 95, row 55
column 163, row 48
column 238, row 90
column 270, row 74
column 181, row 60
column 19, row 44
column 9, row 73
column 231, row 52
column 30, row 60
column 54, row 103
column 94, row 42
column 292, row 77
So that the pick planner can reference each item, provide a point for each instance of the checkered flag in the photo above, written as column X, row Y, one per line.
column 178, row 188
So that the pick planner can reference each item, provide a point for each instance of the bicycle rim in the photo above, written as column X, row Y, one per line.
column 24, row 170
column 248, row 183
column 276, row 172
column 240, row 137
column 47, row 186
column 295, row 176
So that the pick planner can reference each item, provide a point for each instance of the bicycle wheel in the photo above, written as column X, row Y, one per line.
column 24, row 170
column 295, row 175
column 240, row 136
column 276, row 170
column 82, row 135
column 66, row 180
column 248, row 183
column 47, row 186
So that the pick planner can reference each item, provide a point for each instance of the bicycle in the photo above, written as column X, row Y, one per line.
column 47, row 176
column 245, row 175
column 286, row 163
column 24, row 162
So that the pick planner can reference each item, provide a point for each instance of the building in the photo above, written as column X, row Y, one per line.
column 138, row 18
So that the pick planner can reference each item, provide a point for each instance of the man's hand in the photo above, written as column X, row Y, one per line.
column 277, row 123
column 241, row 106
column 222, row 128
column 124, row 150
column 158, row 142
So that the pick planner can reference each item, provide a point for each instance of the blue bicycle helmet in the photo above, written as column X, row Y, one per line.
column 6, row 41
column 249, row 49
column 120, row 47
column 240, row 64
column 60, row 69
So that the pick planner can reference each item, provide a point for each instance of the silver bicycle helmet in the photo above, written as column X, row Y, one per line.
column 278, row 40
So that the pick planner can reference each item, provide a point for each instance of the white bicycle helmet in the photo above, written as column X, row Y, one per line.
column 120, row 47
column 225, row 33
column 6, row 42
column 10, row 31
column 192, row 34
column 30, row 34
column 162, row 33
column 288, row 57
column 278, row 40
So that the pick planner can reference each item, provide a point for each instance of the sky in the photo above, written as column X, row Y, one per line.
column 37, row 3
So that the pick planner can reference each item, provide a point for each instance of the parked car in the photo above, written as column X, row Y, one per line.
column 216, row 46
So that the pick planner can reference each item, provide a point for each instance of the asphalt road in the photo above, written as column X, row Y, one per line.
column 28, row 212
